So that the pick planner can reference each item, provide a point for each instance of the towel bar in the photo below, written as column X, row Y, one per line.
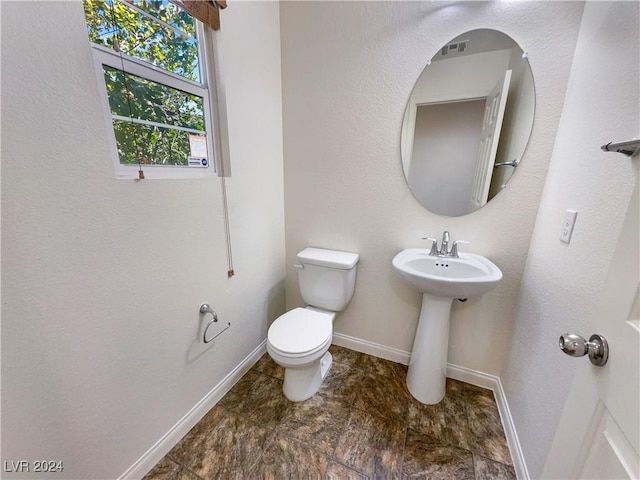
column 628, row 148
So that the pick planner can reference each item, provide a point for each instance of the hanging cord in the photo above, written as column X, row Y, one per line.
column 225, row 213
column 227, row 230
column 116, row 47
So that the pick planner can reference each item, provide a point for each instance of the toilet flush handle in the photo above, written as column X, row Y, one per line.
column 298, row 265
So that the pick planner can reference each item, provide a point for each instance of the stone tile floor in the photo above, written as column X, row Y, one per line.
column 363, row 423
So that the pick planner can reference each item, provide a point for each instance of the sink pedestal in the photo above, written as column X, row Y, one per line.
column 426, row 377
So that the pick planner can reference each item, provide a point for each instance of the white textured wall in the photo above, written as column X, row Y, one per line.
column 102, row 278
column 348, row 70
column 562, row 283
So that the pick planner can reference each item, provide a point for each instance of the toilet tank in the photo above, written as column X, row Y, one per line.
column 327, row 277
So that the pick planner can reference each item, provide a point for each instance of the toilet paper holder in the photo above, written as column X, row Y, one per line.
column 205, row 308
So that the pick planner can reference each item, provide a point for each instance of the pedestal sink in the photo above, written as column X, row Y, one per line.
column 440, row 279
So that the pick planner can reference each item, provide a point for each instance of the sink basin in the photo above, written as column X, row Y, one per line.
column 468, row 276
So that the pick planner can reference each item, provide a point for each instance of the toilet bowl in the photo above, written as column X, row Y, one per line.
column 299, row 340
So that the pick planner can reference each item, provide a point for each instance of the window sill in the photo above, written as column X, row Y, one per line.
column 152, row 172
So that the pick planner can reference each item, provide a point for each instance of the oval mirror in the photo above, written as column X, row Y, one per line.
column 467, row 122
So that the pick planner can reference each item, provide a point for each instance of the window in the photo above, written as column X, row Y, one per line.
column 149, row 57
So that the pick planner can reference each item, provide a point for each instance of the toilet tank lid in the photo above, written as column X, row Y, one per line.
column 328, row 258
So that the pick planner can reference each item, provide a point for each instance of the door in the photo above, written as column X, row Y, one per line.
column 599, row 432
column 489, row 138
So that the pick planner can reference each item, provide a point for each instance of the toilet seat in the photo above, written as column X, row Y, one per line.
column 301, row 332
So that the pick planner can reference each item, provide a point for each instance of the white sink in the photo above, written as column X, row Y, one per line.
column 467, row 276
column 440, row 279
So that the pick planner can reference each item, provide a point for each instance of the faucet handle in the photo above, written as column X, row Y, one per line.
column 434, row 245
column 454, row 248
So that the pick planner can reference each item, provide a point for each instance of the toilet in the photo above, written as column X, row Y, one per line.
column 299, row 340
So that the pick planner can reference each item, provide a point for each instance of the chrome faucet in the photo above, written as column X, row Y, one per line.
column 444, row 246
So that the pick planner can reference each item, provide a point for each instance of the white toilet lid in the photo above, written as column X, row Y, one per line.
column 300, row 330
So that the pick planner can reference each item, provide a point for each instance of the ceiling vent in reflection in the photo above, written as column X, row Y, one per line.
column 457, row 47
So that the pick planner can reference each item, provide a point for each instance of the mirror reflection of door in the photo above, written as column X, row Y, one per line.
column 445, row 143
column 489, row 140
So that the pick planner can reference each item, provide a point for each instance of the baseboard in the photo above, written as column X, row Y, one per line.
column 145, row 463
column 493, row 382
column 455, row 372
column 474, row 377
column 370, row 348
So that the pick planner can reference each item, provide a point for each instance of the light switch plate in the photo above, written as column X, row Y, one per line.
column 567, row 225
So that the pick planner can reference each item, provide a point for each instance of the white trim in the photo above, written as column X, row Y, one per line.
column 493, row 382
column 463, row 374
column 371, row 348
column 152, row 456
column 214, row 77
column 473, row 377
column 163, row 172
column 409, row 119
column 106, row 112
column 156, row 19
column 157, row 124
column 407, row 136
column 102, row 56
column 454, row 97
column 147, row 70
column 207, row 75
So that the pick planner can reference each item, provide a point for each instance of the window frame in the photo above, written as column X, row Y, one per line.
column 207, row 90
